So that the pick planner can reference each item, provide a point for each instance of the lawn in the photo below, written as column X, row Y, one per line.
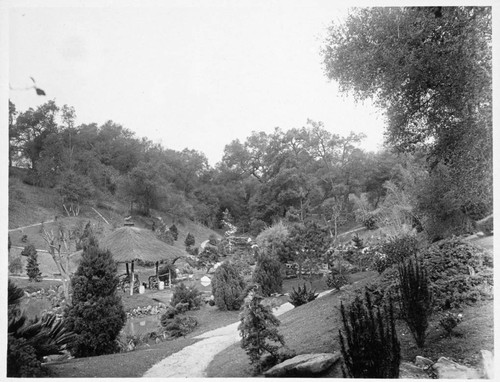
column 313, row 328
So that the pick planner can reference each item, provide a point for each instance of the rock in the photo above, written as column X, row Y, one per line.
column 447, row 369
column 423, row 362
column 408, row 370
column 304, row 365
column 487, row 364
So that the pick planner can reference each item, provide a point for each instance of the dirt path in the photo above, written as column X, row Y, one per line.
column 31, row 225
column 193, row 360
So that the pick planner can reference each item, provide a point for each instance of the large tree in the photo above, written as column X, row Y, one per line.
column 429, row 68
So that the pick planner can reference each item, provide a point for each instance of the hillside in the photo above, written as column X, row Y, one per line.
column 29, row 206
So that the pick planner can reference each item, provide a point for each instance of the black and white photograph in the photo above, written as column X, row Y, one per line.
column 248, row 189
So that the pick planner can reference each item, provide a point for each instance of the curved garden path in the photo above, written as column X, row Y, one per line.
column 192, row 361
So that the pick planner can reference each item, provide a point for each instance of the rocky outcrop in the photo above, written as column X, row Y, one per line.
column 304, row 365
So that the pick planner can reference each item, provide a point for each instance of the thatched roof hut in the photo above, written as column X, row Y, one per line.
column 129, row 244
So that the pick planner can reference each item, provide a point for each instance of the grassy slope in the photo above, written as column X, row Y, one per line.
column 313, row 328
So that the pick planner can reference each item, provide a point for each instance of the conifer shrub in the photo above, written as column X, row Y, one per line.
column 302, row 296
column 268, row 275
column 174, row 231
column 369, row 345
column 228, row 287
column 186, row 295
column 32, row 266
column 395, row 250
column 416, row 298
column 459, row 272
column 189, row 241
column 96, row 313
column 179, row 325
column 337, row 279
column 259, row 333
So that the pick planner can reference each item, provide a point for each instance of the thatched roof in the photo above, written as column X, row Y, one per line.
column 132, row 243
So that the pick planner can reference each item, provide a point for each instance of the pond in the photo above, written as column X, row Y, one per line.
column 141, row 325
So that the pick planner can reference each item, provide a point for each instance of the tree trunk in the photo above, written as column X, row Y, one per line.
column 132, row 279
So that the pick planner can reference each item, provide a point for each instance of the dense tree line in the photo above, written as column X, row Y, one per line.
column 295, row 174
column 429, row 68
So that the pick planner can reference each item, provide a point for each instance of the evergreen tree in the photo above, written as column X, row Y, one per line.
column 174, row 231
column 32, row 267
column 227, row 287
column 268, row 276
column 96, row 314
column 370, row 348
column 259, row 331
column 189, row 240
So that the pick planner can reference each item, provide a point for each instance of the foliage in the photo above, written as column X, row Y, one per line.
column 179, row 325
column 397, row 249
column 449, row 321
column 187, row 295
column 75, row 190
column 259, row 331
column 337, row 280
column 208, row 257
column 96, row 314
column 21, row 359
column 302, row 296
column 267, row 274
column 271, row 240
column 307, row 245
column 189, row 241
column 175, row 232
column 30, row 341
column 15, row 265
column 167, row 270
column 459, row 272
column 369, row 345
column 32, row 266
column 416, row 298
column 227, row 287
column 399, row 57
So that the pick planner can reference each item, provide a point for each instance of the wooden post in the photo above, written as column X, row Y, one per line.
column 132, row 280
column 128, row 273
column 157, row 276
column 169, row 278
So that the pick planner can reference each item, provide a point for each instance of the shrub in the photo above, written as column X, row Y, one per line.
column 189, row 241
column 259, row 331
column 268, row 276
column 164, row 274
column 399, row 248
column 458, row 271
column 227, row 287
column 96, row 314
column 185, row 295
column 337, row 280
column 370, row 348
column 21, row 359
column 30, row 341
column 15, row 265
column 302, row 296
column 174, row 231
column 449, row 321
column 179, row 325
column 416, row 299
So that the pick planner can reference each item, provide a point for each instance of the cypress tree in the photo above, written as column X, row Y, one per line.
column 174, row 231
column 32, row 267
column 189, row 240
column 96, row 314
column 268, row 276
column 228, row 287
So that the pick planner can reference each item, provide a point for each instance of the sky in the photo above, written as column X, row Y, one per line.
column 195, row 74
